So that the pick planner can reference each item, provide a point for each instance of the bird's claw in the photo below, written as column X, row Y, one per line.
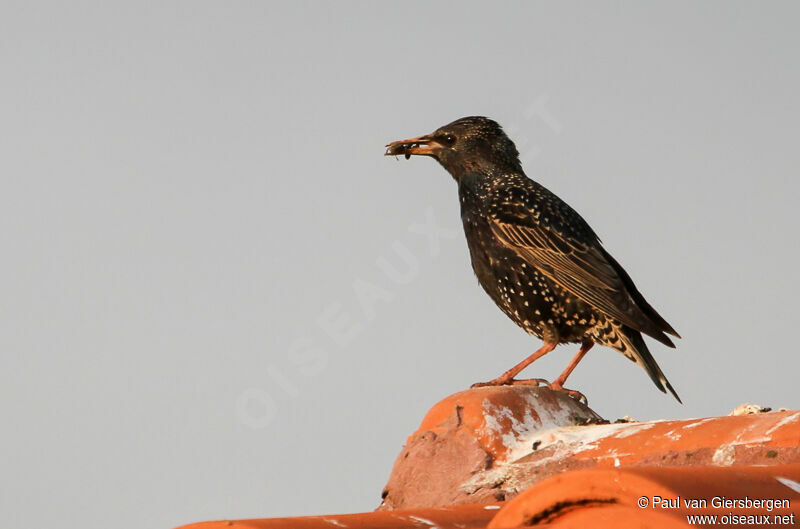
column 577, row 395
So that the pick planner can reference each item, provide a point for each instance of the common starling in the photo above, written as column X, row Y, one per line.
column 537, row 258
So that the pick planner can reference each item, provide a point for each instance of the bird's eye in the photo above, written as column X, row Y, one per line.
column 448, row 139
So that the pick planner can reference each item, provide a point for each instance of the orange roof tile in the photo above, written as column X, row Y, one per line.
column 521, row 444
column 460, row 517
column 636, row 493
column 488, row 444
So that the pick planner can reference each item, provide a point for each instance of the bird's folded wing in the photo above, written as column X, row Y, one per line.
column 576, row 266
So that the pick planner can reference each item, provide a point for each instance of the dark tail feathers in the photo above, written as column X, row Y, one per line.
column 643, row 357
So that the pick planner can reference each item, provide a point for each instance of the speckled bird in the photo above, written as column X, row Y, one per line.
column 536, row 257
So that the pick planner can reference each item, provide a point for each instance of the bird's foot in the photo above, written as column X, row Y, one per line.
column 500, row 381
column 555, row 386
column 487, row 384
column 531, row 382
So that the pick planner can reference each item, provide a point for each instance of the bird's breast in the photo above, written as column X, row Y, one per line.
column 517, row 286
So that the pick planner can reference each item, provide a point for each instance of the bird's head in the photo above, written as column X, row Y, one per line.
column 468, row 144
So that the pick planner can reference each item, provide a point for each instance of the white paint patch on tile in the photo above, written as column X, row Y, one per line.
column 742, row 438
column 429, row 523
column 613, row 454
column 673, row 434
column 699, row 422
column 630, row 429
column 582, row 438
column 725, row 455
column 492, row 507
column 795, row 486
column 784, row 422
column 518, row 439
column 571, row 440
column 492, row 478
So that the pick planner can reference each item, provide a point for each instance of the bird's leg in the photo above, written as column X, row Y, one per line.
column 558, row 384
column 508, row 376
column 585, row 346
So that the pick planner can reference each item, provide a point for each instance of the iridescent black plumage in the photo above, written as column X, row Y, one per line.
column 535, row 256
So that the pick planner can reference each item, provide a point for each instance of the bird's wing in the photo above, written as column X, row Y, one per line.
column 575, row 261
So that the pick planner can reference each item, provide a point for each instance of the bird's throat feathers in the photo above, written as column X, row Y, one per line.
column 479, row 165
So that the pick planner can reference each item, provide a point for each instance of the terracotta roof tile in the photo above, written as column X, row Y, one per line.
column 667, row 491
column 524, row 445
column 488, row 444
column 460, row 517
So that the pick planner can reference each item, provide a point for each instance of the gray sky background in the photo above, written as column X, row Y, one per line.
column 196, row 213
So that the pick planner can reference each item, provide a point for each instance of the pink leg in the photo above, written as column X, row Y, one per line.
column 508, row 376
column 558, row 384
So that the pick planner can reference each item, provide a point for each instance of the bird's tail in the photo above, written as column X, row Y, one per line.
column 639, row 353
